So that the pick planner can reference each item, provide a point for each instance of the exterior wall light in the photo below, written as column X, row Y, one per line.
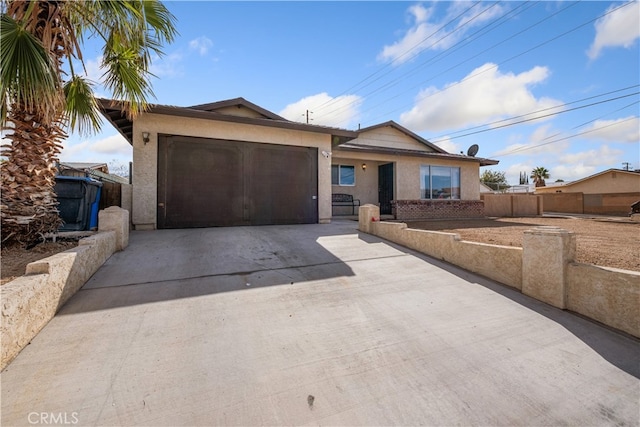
column 145, row 137
column 364, row 166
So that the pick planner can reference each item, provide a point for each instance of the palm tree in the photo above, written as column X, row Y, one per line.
column 539, row 175
column 43, row 96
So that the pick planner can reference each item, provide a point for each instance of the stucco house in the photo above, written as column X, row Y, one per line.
column 235, row 163
column 610, row 181
column 608, row 192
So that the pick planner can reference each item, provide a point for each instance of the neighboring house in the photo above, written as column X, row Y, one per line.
column 235, row 163
column 610, row 181
column 609, row 192
column 81, row 168
column 484, row 188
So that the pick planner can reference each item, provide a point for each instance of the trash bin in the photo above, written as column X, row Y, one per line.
column 78, row 199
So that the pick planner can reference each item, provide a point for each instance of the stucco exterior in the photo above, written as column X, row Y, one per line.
column 405, row 153
column 145, row 156
column 240, row 120
column 611, row 181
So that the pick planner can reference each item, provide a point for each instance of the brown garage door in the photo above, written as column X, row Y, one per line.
column 210, row 182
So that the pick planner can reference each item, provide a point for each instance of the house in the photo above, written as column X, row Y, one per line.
column 608, row 192
column 81, row 168
column 610, row 181
column 235, row 163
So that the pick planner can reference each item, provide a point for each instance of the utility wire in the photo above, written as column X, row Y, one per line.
column 452, row 49
column 515, row 56
column 517, row 150
column 332, row 101
column 435, row 140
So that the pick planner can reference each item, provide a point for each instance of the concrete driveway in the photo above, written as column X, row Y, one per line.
column 312, row 324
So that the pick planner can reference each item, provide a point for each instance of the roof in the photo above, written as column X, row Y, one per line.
column 566, row 184
column 115, row 112
column 416, row 153
column 239, row 103
column 83, row 165
column 406, row 131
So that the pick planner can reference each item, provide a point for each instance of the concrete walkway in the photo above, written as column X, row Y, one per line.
column 317, row 324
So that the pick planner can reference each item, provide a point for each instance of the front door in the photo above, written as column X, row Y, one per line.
column 385, row 188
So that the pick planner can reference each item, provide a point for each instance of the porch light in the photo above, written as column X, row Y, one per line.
column 145, row 137
column 364, row 166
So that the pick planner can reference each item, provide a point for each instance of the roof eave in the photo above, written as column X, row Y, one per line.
column 112, row 110
column 415, row 153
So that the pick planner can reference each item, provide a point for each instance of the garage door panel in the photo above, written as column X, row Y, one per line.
column 282, row 184
column 208, row 182
column 203, row 184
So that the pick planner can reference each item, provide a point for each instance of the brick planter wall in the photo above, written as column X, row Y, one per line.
column 437, row 209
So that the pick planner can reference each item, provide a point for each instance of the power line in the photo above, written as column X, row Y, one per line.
column 508, row 59
column 457, row 46
column 517, row 150
column 332, row 101
column 537, row 117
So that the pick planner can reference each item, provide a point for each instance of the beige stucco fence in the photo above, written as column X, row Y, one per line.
column 30, row 302
column 543, row 268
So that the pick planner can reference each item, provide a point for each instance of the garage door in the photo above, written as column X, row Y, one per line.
column 210, row 182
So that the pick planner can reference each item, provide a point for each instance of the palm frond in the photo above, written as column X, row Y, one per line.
column 82, row 108
column 127, row 78
column 28, row 74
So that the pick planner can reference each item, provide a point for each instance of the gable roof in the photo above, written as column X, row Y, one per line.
column 239, row 103
column 406, row 131
column 595, row 175
column 436, row 152
column 115, row 113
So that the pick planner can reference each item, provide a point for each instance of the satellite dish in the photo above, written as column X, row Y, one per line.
column 473, row 150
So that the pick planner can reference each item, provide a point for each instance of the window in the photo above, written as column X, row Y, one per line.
column 343, row 175
column 439, row 182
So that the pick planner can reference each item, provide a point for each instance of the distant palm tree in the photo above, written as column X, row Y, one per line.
column 42, row 94
column 539, row 175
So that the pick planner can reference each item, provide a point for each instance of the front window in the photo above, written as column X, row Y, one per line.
column 343, row 175
column 439, row 182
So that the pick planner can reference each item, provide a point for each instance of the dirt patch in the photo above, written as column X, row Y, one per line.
column 14, row 259
column 608, row 243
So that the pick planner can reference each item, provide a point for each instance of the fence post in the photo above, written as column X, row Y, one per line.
column 366, row 215
column 546, row 254
column 115, row 219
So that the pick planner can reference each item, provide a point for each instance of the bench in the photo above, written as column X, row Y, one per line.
column 338, row 199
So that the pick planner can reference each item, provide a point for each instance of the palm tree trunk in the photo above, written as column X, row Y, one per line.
column 28, row 201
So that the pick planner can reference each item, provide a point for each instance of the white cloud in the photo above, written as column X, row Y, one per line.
column 573, row 166
column 483, row 96
column 201, row 44
column 599, row 157
column 619, row 130
column 448, row 145
column 93, row 70
column 435, row 35
column 341, row 111
column 619, row 28
column 101, row 150
column 167, row 66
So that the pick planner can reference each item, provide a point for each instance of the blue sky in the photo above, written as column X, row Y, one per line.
column 456, row 73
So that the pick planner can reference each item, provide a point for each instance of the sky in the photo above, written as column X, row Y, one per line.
column 533, row 84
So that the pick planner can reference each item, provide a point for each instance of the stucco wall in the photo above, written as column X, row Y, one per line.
column 607, row 295
column 390, row 137
column 145, row 157
column 366, row 188
column 407, row 175
column 500, row 263
column 607, row 183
